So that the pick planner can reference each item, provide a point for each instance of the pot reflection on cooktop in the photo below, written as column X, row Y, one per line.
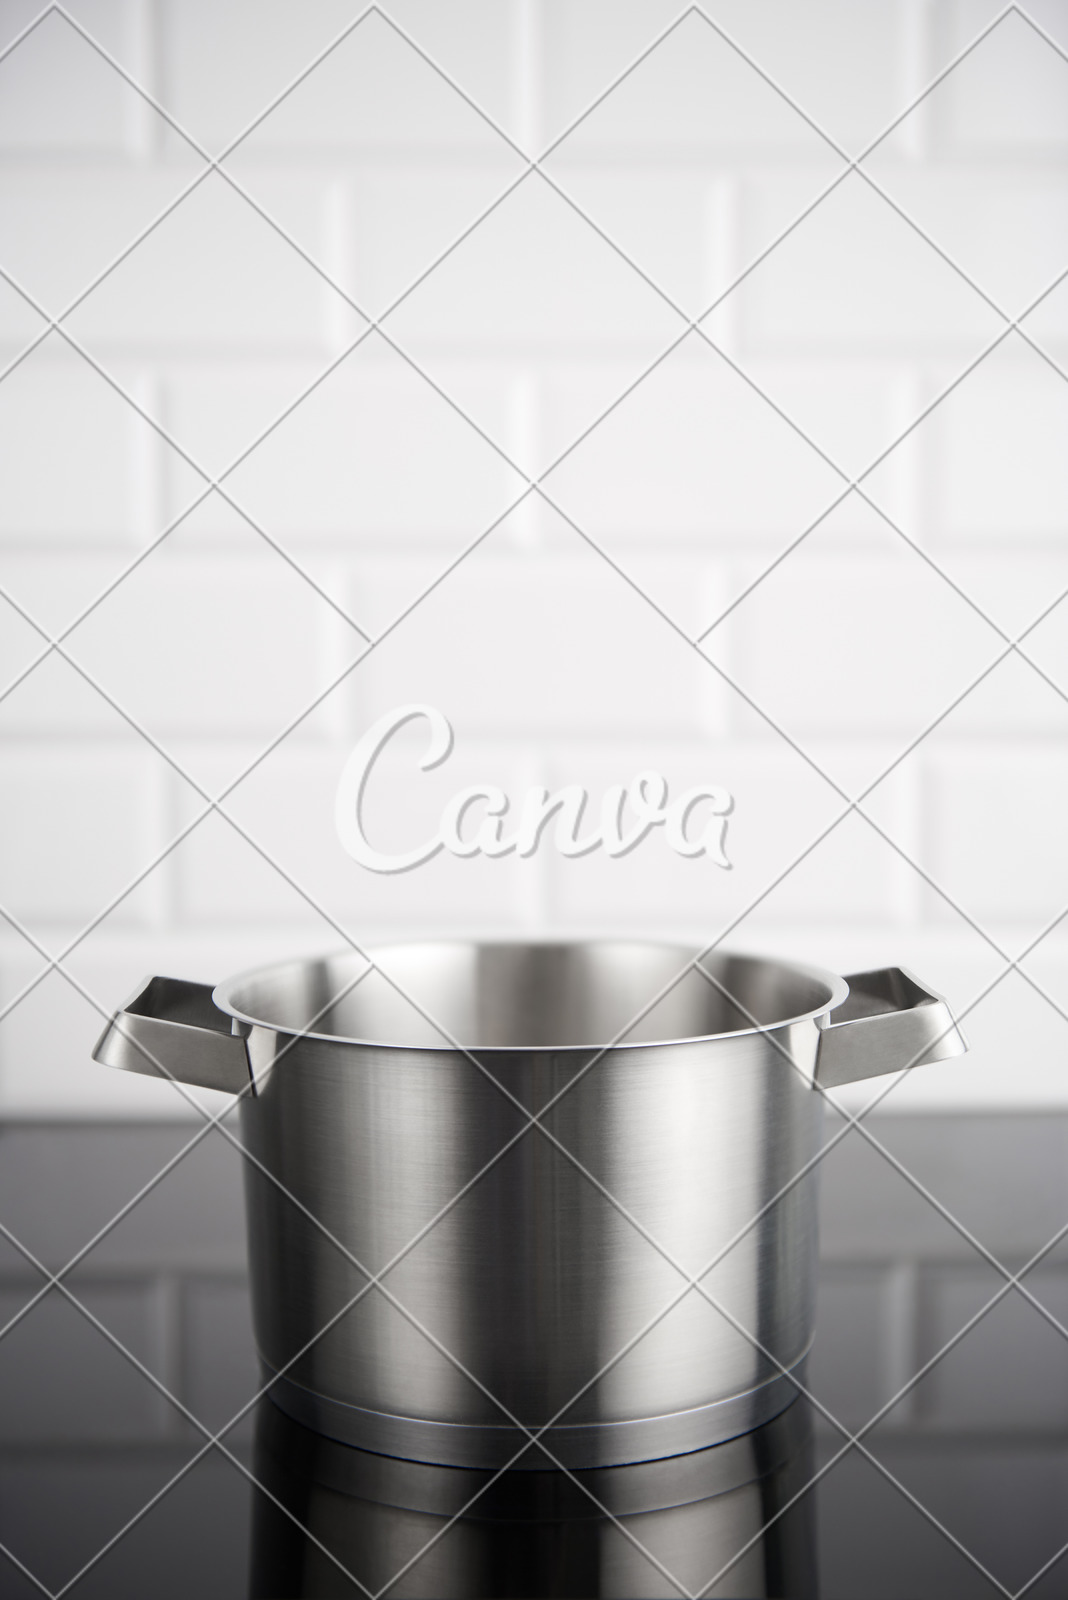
column 336, row 1521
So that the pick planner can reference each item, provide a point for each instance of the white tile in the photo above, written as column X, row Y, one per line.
column 550, row 666
column 216, row 410
column 475, row 42
column 534, row 645
column 214, row 274
column 372, row 454
column 51, row 698
column 236, row 645
column 844, row 66
column 581, row 57
column 850, row 409
column 185, row 643
column 73, row 451
column 1007, row 229
column 372, row 89
column 996, row 451
column 1048, row 322
column 1014, row 586
column 533, row 273
column 78, row 825
column 1010, row 94
column 1014, row 591
column 56, row 92
column 997, row 840
column 660, row 214
column 781, row 807
column 860, row 640
column 692, row 90
column 393, row 223
column 62, row 224
column 287, row 806
column 693, row 452
column 20, row 324
column 853, row 277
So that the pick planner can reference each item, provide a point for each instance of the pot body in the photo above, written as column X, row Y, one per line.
column 496, row 1190
column 656, row 1227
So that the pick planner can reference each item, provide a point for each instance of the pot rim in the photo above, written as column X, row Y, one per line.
column 836, row 986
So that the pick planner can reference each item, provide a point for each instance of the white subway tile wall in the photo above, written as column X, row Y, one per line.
column 694, row 447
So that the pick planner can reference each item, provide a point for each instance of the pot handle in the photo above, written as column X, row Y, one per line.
column 888, row 1021
column 172, row 1028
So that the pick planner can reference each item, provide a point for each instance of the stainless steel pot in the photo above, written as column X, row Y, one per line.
column 553, row 1293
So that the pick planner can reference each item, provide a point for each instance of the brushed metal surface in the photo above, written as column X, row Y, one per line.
column 534, row 1281
column 603, row 1444
column 888, row 1022
column 172, row 1028
column 518, row 1298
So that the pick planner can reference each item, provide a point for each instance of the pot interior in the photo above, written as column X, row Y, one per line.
column 533, row 996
